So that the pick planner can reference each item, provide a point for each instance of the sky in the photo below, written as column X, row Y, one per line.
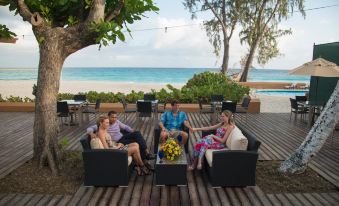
column 185, row 46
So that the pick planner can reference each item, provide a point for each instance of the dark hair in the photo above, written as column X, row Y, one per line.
column 174, row 101
column 112, row 112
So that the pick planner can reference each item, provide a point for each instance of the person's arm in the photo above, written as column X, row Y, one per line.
column 162, row 122
column 213, row 127
column 227, row 133
column 185, row 122
column 125, row 127
column 91, row 130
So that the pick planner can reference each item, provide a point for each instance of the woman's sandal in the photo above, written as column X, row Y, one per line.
column 149, row 166
column 145, row 170
column 138, row 170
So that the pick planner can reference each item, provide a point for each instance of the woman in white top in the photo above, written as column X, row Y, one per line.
column 103, row 141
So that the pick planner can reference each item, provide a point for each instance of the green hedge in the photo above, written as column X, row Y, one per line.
column 202, row 85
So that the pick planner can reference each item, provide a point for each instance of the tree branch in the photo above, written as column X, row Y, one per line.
column 216, row 15
column 24, row 11
column 97, row 11
column 115, row 12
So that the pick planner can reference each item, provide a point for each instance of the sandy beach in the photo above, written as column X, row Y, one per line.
column 22, row 88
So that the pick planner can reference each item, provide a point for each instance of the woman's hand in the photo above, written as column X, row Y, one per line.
column 120, row 145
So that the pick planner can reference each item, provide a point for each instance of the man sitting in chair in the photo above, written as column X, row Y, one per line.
column 114, row 130
column 171, row 122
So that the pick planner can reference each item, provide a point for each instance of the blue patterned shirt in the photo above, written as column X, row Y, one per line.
column 173, row 122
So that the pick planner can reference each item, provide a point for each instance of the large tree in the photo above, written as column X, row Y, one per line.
column 221, row 27
column 316, row 138
column 260, row 28
column 61, row 28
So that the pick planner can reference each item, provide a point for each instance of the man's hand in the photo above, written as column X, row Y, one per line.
column 192, row 129
column 120, row 145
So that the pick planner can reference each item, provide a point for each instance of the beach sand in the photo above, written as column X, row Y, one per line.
column 22, row 88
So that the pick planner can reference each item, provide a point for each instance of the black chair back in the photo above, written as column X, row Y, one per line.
column 62, row 107
column 85, row 142
column 79, row 97
column 301, row 98
column 246, row 102
column 144, row 108
column 294, row 104
column 231, row 106
column 149, row 97
column 97, row 104
column 217, row 98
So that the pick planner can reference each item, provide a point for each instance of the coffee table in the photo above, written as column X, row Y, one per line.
column 171, row 172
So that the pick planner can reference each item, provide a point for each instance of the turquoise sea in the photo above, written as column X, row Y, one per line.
column 146, row 75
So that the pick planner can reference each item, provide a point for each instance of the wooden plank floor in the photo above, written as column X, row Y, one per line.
column 278, row 135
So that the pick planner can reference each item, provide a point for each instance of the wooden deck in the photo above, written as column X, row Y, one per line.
column 278, row 135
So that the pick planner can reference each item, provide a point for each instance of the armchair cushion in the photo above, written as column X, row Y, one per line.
column 236, row 140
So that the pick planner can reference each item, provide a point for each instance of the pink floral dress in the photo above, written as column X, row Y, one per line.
column 208, row 142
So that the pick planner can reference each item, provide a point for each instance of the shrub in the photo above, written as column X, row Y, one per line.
column 202, row 85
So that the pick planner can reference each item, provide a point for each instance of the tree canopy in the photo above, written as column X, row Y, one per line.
column 67, row 13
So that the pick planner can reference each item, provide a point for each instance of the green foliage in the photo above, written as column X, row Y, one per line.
column 66, row 13
column 202, row 85
column 260, row 27
column 5, row 32
column 205, row 84
column 63, row 143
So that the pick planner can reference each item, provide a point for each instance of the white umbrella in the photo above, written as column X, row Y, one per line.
column 318, row 67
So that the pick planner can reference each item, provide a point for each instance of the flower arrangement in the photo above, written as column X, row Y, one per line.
column 171, row 149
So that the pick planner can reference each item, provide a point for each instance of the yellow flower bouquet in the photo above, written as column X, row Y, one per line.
column 171, row 149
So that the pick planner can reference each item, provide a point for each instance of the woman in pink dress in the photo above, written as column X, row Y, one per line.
column 217, row 141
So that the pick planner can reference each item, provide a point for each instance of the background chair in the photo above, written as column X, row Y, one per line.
column 301, row 98
column 243, row 107
column 92, row 109
column 204, row 109
column 79, row 97
column 296, row 109
column 217, row 98
column 105, row 167
column 231, row 106
column 144, row 109
column 126, row 108
column 149, row 97
column 64, row 112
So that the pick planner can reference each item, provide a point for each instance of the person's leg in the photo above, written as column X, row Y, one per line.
column 135, row 137
column 184, row 136
column 133, row 150
column 163, row 135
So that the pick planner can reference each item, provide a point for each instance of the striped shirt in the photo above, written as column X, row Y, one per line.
column 113, row 130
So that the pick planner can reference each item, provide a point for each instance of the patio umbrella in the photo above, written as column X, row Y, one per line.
column 318, row 67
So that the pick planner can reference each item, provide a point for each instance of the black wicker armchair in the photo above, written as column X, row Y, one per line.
column 105, row 167
column 234, row 167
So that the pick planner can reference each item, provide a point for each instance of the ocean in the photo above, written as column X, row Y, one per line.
column 146, row 75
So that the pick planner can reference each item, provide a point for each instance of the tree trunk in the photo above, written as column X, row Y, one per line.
column 224, row 65
column 46, row 148
column 321, row 130
column 249, row 61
